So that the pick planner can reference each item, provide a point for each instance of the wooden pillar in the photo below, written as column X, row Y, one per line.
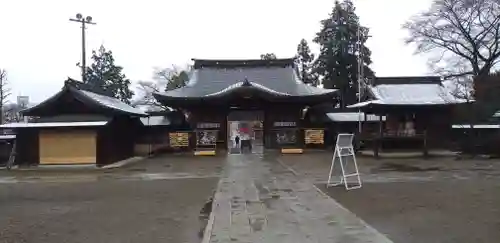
column 426, row 151
column 301, row 136
column 224, row 131
column 361, row 129
column 378, row 139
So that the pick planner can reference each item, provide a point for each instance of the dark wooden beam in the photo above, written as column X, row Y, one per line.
column 378, row 140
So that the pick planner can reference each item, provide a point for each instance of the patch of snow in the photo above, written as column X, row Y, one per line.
column 113, row 103
column 53, row 124
column 155, row 121
column 477, row 126
column 352, row 117
column 412, row 94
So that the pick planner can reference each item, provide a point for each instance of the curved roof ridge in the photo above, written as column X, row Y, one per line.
column 241, row 84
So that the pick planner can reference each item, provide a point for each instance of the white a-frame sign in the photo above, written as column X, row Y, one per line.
column 343, row 155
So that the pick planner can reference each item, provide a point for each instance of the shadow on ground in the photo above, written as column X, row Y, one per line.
column 388, row 166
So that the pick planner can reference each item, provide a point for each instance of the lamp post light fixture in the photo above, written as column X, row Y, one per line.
column 83, row 21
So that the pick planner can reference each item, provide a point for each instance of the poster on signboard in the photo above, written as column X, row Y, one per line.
column 286, row 136
column 179, row 139
column 314, row 136
column 207, row 137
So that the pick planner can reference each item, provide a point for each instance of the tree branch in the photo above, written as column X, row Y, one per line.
column 467, row 29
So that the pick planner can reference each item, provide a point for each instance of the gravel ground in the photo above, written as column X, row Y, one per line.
column 439, row 200
column 441, row 212
column 114, row 208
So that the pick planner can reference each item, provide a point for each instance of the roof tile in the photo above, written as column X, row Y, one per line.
column 272, row 79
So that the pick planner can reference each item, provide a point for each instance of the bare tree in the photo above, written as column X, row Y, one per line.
column 172, row 78
column 268, row 56
column 480, row 101
column 146, row 90
column 462, row 89
column 165, row 79
column 12, row 113
column 460, row 34
column 4, row 92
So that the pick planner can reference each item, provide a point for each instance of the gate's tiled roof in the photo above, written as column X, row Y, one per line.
column 215, row 78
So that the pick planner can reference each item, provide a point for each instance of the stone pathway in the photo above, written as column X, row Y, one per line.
column 259, row 200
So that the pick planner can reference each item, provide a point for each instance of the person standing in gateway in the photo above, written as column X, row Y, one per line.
column 237, row 141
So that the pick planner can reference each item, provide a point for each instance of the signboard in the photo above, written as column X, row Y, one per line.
column 285, row 124
column 208, row 125
column 314, row 136
column 179, row 139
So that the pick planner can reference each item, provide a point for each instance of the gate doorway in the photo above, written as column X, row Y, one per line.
column 245, row 132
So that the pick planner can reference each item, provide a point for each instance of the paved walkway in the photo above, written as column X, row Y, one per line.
column 259, row 200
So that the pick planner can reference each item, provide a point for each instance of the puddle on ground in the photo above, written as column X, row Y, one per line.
column 257, row 224
column 480, row 169
column 237, row 203
column 167, row 176
column 8, row 180
column 204, row 216
column 261, row 189
column 268, row 202
column 94, row 178
column 137, row 170
column 406, row 168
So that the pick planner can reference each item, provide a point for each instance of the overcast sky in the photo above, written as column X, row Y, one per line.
column 39, row 46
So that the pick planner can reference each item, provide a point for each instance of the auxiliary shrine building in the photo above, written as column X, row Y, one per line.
column 259, row 100
column 76, row 126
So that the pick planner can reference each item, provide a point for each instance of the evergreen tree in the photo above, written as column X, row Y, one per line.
column 177, row 81
column 172, row 78
column 337, row 62
column 304, row 61
column 104, row 77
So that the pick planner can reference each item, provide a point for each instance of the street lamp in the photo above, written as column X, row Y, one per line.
column 87, row 20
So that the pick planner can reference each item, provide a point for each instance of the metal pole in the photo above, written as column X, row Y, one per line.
column 340, row 42
column 84, row 21
column 84, row 64
column 360, row 76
